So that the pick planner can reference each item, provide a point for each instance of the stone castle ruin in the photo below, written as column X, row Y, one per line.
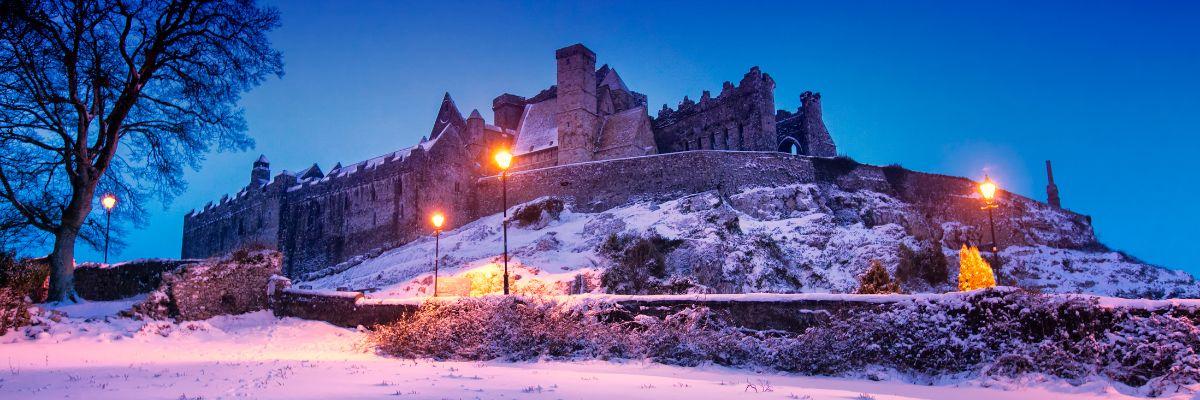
column 588, row 138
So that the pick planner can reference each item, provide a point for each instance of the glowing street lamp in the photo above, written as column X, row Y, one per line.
column 987, row 188
column 504, row 160
column 437, row 220
column 108, row 201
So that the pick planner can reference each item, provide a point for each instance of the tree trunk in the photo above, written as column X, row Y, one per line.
column 62, row 259
column 62, row 267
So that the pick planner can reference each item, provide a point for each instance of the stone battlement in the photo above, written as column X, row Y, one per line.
column 753, row 82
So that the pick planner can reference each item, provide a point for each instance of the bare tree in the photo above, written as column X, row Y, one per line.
column 117, row 96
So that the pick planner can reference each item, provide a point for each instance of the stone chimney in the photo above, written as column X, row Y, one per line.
column 578, row 124
column 1051, row 188
column 261, row 174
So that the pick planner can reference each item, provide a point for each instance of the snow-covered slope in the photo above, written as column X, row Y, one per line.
column 800, row 238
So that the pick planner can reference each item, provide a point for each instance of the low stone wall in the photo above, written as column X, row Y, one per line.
column 348, row 309
column 352, row 309
column 600, row 185
column 105, row 282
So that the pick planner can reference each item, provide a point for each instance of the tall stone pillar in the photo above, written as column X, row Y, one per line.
column 1051, row 188
column 578, row 124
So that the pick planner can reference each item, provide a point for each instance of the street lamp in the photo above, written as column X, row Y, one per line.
column 108, row 201
column 988, row 189
column 504, row 160
column 438, row 219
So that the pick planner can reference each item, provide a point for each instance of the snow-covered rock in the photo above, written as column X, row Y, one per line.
column 796, row 238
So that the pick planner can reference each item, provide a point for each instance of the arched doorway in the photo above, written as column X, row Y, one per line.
column 791, row 146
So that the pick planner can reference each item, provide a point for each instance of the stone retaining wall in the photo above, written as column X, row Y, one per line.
column 101, row 282
column 348, row 309
column 940, row 201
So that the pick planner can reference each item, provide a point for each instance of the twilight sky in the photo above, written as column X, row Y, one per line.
column 1110, row 91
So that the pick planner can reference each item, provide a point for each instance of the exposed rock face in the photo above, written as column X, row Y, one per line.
column 231, row 285
column 812, row 237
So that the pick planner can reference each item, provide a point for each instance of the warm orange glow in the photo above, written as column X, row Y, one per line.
column 503, row 159
column 438, row 219
column 987, row 188
column 108, row 201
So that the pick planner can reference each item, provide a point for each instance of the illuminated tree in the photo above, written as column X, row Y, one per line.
column 973, row 271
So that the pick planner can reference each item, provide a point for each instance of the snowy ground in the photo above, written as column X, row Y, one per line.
column 259, row 356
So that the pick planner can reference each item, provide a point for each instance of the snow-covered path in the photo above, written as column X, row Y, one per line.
column 261, row 357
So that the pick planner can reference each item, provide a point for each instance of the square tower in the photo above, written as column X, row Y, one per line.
column 578, row 124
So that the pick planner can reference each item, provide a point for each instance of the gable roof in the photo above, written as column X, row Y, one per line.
column 621, row 129
column 448, row 114
column 607, row 76
column 538, row 129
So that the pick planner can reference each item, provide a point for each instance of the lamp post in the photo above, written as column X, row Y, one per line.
column 504, row 160
column 437, row 219
column 108, row 201
column 988, row 189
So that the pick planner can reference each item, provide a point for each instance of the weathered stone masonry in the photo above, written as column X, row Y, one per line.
column 587, row 138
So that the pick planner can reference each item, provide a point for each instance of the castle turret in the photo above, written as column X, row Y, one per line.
column 577, row 122
column 261, row 174
column 476, row 139
column 1051, row 188
column 507, row 109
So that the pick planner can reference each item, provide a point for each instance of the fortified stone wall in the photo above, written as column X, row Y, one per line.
column 948, row 206
column 741, row 117
column 366, row 207
column 318, row 220
column 251, row 217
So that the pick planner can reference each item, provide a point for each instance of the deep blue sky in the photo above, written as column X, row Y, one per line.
column 1109, row 91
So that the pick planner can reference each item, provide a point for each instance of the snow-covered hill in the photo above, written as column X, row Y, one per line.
column 799, row 238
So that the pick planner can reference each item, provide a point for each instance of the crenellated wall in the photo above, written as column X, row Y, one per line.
column 741, row 117
column 321, row 220
column 250, row 217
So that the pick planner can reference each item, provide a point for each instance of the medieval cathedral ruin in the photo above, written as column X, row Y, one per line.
column 588, row 138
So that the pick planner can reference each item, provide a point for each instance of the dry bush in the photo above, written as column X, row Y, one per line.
column 29, row 277
column 509, row 328
column 927, row 265
column 639, row 264
column 14, row 310
column 995, row 333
